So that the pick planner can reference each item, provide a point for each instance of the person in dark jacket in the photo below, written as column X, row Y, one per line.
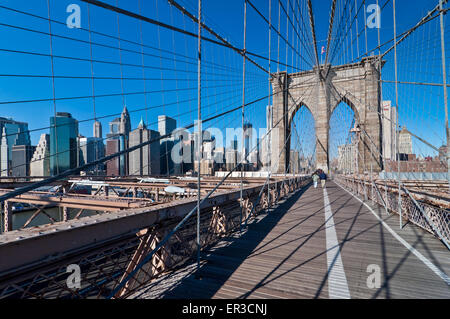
column 323, row 178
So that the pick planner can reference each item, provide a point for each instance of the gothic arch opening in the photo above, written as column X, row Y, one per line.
column 301, row 141
column 343, row 139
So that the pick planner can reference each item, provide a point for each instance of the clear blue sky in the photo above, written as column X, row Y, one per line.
column 421, row 108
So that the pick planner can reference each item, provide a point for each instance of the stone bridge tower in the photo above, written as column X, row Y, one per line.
column 321, row 91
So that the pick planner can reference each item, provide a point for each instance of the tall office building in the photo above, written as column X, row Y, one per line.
column 187, row 153
column 248, row 143
column 91, row 149
column 231, row 158
column 40, row 162
column 124, row 130
column 145, row 160
column 98, row 129
column 114, row 127
column 114, row 167
column 125, row 122
column 21, row 157
column 12, row 133
column 117, row 140
column 4, row 155
column 388, row 121
column 166, row 125
column 63, row 143
column 405, row 142
column 235, row 144
column 219, row 158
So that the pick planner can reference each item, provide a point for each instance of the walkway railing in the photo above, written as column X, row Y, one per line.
column 432, row 218
column 118, row 268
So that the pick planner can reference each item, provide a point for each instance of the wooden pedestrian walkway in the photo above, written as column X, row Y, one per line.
column 317, row 244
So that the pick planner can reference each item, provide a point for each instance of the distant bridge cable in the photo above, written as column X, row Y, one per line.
column 53, row 83
column 425, row 19
column 215, row 34
column 291, row 23
column 278, row 32
column 339, row 38
column 304, row 35
column 405, row 33
column 330, row 29
column 313, row 32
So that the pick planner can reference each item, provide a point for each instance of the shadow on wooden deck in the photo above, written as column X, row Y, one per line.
column 200, row 285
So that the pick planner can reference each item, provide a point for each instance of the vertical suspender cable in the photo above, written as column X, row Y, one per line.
column 244, row 155
column 295, row 41
column 124, row 158
column 165, row 156
column 53, row 90
column 141, row 38
column 279, row 17
column 444, row 75
column 365, row 25
column 382, row 110
column 93, row 85
column 356, row 27
column 397, row 123
column 287, row 36
column 199, row 128
column 120, row 55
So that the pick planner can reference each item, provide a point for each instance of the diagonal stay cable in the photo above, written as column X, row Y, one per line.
column 330, row 29
column 221, row 39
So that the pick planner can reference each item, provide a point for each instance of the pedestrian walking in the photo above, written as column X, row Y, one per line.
column 323, row 178
column 315, row 178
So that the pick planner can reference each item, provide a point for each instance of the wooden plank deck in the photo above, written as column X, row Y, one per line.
column 284, row 255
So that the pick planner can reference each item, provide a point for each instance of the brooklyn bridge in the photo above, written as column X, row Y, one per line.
column 290, row 149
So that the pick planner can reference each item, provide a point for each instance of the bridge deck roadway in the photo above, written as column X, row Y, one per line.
column 299, row 251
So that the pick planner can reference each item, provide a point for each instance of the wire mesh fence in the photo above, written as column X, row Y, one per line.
column 433, row 219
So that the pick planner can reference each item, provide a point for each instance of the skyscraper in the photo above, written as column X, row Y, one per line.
column 4, row 154
column 117, row 140
column 21, row 156
column 388, row 129
column 91, row 149
column 248, row 145
column 405, row 142
column 113, row 166
column 166, row 125
column 98, row 129
column 63, row 143
column 40, row 162
column 12, row 133
column 125, row 122
column 145, row 160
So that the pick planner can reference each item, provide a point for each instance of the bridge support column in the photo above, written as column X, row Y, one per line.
column 322, row 117
column 279, row 133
